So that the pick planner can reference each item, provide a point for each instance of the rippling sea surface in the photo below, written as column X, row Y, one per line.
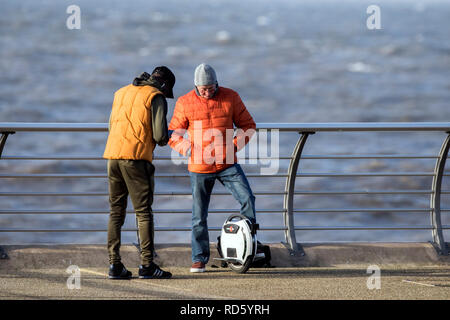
column 291, row 61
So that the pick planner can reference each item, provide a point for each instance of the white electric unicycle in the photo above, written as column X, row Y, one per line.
column 237, row 244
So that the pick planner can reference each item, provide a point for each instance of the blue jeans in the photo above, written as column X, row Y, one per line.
column 233, row 178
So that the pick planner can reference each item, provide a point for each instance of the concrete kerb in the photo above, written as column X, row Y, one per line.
column 179, row 255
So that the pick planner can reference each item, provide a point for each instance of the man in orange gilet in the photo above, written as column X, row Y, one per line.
column 136, row 125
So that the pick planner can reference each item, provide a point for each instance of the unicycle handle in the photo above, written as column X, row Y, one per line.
column 242, row 217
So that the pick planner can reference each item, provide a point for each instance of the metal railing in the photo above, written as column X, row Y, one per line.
column 288, row 210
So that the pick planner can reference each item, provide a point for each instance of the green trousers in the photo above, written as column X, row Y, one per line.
column 134, row 178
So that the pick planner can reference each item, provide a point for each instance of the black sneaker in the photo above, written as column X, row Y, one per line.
column 118, row 271
column 153, row 271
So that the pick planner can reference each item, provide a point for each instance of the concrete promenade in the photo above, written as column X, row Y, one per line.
column 327, row 271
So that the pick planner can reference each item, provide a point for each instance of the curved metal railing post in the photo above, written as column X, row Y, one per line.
column 3, row 254
column 435, row 203
column 3, row 138
column 289, row 234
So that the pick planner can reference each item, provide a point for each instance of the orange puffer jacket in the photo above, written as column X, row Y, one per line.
column 209, row 124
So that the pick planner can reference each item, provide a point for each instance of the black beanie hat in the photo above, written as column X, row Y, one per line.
column 164, row 75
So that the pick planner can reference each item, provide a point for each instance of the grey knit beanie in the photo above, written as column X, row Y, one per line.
column 204, row 75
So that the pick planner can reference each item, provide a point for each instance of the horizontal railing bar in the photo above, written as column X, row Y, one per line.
column 51, row 127
column 103, row 176
column 179, row 211
column 252, row 175
column 331, row 210
column 366, row 174
column 188, row 193
column 270, row 228
column 157, row 211
column 98, row 194
column 294, row 127
column 57, row 212
column 59, row 230
column 384, row 192
column 304, row 228
column 66, row 157
column 306, row 157
column 374, row 156
column 52, row 194
column 357, row 126
column 53, row 175
column 52, row 157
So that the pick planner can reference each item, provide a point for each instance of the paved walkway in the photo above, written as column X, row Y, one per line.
column 257, row 284
column 44, row 272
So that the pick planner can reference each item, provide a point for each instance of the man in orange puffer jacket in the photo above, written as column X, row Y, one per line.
column 209, row 114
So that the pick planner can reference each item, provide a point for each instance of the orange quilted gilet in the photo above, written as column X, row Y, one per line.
column 130, row 134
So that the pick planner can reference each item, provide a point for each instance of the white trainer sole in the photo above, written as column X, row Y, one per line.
column 197, row 270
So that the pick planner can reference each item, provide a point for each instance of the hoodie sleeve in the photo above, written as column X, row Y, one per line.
column 159, row 121
column 179, row 124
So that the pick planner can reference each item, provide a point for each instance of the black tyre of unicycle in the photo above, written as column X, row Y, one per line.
column 241, row 268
